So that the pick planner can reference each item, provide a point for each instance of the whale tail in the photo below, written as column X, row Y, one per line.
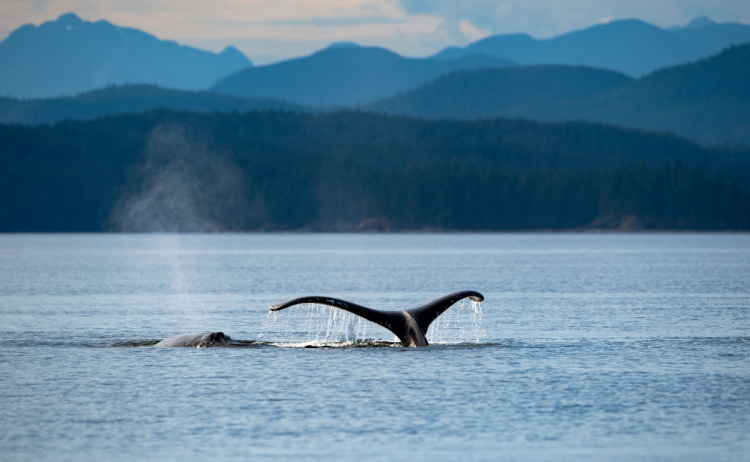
column 410, row 326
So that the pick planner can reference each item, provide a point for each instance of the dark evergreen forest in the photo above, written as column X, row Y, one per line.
column 352, row 171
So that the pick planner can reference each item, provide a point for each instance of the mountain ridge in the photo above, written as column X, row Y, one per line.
column 344, row 76
column 630, row 46
column 70, row 56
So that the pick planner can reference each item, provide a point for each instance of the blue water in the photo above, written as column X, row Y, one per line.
column 587, row 347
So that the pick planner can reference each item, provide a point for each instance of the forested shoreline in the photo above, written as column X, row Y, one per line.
column 352, row 171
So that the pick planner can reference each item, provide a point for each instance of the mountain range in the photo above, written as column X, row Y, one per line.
column 70, row 56
column 707, row 101
column 630, row 46
column 352, row 75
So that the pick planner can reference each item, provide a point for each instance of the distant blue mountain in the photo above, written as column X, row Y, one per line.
column 630, row 46
column 345, row 75
column 69, row 56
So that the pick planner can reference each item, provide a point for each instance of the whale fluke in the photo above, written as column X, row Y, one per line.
column 410, row 326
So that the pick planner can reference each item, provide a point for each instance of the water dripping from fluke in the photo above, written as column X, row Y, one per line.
column 334, row 319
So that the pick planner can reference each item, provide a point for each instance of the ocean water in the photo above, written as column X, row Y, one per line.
column 587, row 347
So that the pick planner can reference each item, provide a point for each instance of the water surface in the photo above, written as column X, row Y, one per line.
column 587, row 347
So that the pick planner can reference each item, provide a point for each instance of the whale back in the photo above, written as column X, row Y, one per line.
column 199, row 340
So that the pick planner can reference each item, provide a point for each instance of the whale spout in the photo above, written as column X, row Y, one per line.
column 410, row 326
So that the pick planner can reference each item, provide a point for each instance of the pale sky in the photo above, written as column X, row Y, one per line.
column 272, row 30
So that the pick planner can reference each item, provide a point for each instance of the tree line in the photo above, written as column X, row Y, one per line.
column 349, row 171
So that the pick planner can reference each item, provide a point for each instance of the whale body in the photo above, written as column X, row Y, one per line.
column 410, row 326
column 197, row 340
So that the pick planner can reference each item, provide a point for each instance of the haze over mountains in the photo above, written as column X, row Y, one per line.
column 704, row 100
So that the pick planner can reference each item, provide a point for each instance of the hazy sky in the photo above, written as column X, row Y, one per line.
column 270, row 30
